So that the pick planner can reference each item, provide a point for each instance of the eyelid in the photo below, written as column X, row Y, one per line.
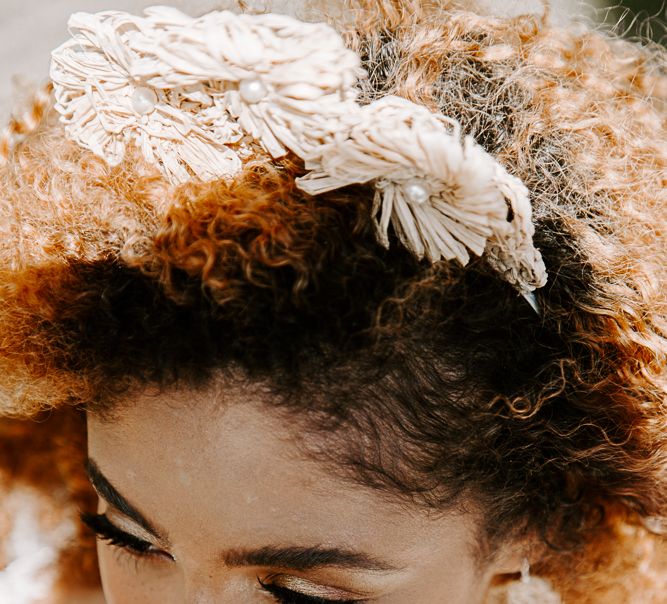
column 125, row 524
column 113, row 534
column 121, row 522
column 314, row 590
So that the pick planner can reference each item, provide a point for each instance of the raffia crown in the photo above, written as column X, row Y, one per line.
column 196, row 94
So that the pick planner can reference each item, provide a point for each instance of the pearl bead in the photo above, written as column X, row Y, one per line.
column 252, row 90
column 416, row 192
column 144, row 100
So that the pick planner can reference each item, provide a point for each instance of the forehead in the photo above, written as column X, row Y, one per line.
column 217, row 469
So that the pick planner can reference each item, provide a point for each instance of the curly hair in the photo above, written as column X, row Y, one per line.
column 431, row 382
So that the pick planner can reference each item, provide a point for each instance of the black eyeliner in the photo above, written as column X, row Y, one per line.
column 287, row 596
column 105, row 530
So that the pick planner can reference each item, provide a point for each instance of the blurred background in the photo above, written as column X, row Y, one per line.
column 633, row 18
column 30, row 30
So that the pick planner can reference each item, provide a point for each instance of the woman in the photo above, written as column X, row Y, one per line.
column 374, row 314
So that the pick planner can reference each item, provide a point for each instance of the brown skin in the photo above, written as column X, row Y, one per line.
column 214, row 478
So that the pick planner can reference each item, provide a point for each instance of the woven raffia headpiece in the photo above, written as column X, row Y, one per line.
column 197, row 95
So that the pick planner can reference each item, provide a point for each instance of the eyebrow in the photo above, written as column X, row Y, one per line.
column 109, row 493
column 305, row 558
column 293, row 557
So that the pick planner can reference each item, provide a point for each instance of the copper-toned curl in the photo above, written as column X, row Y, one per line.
column 111, row 279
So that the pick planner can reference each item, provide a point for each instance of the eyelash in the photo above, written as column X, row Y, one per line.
column 107, row 531
column 287, row 596
column 111, row 534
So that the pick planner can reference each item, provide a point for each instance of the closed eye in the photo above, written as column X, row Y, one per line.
column 105, row 530
column 288, row 596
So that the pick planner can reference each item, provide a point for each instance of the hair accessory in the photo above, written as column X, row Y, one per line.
column 188, row 90
column 197, row 95
column 443, row 194
column 529, row 589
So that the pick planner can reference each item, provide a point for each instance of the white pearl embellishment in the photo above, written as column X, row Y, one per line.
column 416, row 192
column 252, row 90
column 144, row 100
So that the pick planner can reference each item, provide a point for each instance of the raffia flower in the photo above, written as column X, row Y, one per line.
column 442, row 193
column 105, row 90
column 193, row 93
column 292, row 81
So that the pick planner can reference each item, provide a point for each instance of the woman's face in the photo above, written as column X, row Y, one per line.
column 205, row 498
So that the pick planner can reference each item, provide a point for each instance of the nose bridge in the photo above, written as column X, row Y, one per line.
column 201, row 596
column 221, row 589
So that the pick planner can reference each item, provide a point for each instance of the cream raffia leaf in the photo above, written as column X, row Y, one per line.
column 199, row 123
column 469, row 195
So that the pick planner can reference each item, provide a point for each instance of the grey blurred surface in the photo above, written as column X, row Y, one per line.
column 30, row 29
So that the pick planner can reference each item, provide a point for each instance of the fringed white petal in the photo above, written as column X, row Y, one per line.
column 467, row 201
column 511, row 251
